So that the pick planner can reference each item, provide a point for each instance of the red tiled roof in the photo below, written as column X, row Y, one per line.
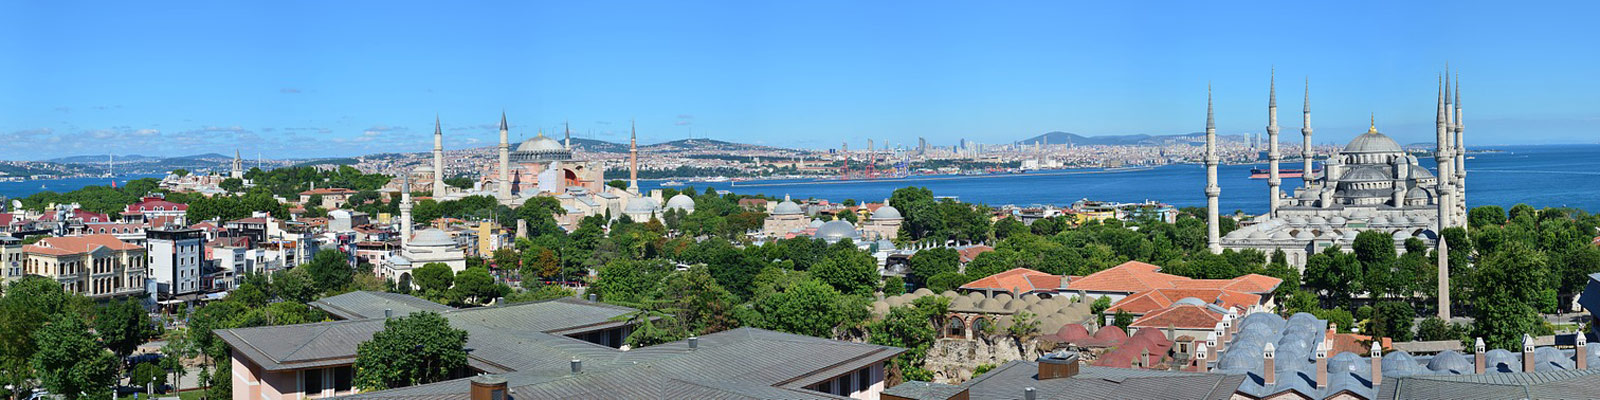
column 1133, row 277
column 1018, row 281
column 1182, row 316
column 205, row 225
column 249, row 221
column 1156, row 299
column 77, row 245
column 152, row 203
column 328, row 191
column 971, row 252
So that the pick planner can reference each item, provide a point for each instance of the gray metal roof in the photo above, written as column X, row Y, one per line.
column 1560, row 384
column 1007, row 382
column 365, row 304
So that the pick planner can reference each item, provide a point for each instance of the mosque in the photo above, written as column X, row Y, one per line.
column 1371, row 184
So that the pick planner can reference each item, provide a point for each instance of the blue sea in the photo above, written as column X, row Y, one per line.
column 1541, row 176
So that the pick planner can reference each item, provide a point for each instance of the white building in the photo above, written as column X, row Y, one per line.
column 175, row 259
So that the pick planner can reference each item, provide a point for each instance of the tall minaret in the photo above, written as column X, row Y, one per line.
column 1444, row 279
column 438, row 160
column 1461, row 161
column 1272, row 146
column 567, row 141
column 1442, row 154
column 503, row 187
column 405, row 210
column 1213, row 236
column 1305, row 145
column 633, row 158
column 238, row 166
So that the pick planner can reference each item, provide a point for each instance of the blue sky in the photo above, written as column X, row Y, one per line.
column 304, row 79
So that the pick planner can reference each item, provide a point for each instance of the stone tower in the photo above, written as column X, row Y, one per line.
column 1213, row 236
column 1272, row 147
column 438, row 160
column 503, row 185
column 1305, row 133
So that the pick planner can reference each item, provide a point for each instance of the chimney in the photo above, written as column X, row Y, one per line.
column 577, row 366
column 1479, row 359
column 694, row 342
column 1527, row 353
column 488, row 387
column 594, row 297
column 1144, row 358
column 1269, row 376
column 1227, row 328
column 1377, row 364
column 1060, row 364
column 1582, row 352
column 1029, row 394
column 1200, row 355
column 388, row 313
column 1322, row 365
column 1211, row 345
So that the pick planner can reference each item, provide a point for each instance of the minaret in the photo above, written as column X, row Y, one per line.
column 1305, row 146
column 1442, row 154
column 405, row 211
column 438, row 161
column 567, row 141
column 1460, row 151
column 1272, row 146
column 1213, row 240
column 503, row 187
column 238, row 166
column 633, row 158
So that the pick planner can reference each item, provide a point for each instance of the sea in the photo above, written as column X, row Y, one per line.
column 1537, row 175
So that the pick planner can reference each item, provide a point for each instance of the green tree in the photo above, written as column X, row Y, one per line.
column 411, row 350
column 330, row 271
column 848, row 270
column 123, row 326
column 232, row 185
column 946, row 281
column 1122, row 319
column 928, row 263
column 1392, row 319
column 147, row 375
column 1433, row 328
column 433, row 277
column 70, row 361
column 1486, row 216
column 294, row 285
column 894, row 286
column 1504, row 314
column 809, row 308
column 910, row 327
column 476, row 286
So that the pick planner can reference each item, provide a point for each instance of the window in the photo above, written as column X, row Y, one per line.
column 863, row 379
column 313, row 381
column 825, row 386
column 341, row 378
column 843, row 384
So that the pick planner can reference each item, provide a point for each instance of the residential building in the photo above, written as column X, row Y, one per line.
column 331, row 197
column 93, row 265
column 175, row 259
column 156, row 208
column 11, row 259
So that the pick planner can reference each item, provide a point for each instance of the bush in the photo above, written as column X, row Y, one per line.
column 893, row 286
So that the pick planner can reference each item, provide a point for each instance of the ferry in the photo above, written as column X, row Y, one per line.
column 671, row 184
column 1264, row 173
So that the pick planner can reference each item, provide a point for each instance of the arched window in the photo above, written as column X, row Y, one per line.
column 955, row 327
column 980, row 324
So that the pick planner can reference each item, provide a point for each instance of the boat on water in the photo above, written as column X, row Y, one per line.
column 671, row 184
column 1263, row 173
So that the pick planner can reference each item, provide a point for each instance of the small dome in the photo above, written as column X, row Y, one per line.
column 1235, row 234
column 642, row 205
column 836, row 230
column 787, row 208
column 681, row 202
column 1318, row 220
column 815, row 223
column 1400, row 220
column 1304, row 235
column 432, row 237
column 948, row 293
column 1297, row 221
column 1281, row 235
column 1401, row 235
column 1258, row 235
column 1351, row 234
column 1379, row 220
column 1418, row 193
column 886, row 212
column 1191, row 301
column 886, row 245
column 1336, row 220
column 1364, row 173
column 1306, row 195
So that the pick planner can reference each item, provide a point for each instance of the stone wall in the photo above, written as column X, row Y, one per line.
column 953, row 360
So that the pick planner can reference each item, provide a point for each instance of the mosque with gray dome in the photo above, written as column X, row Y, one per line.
column 1370, row 184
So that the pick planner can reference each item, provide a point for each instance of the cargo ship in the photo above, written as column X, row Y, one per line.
column 1262, row 173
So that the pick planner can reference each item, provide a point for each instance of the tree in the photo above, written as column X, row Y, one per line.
column 232, row 185
column 617, row 183
column 411, row 350
column 506, row 259
column 1433, row 328
column 70, row 361
column 433, row 277
column 702, row 306
column 1009, row 227
column 476, row 286
column 330, row 271
column 180, row 172
column 294, row 285
column 946, row 281
column 927, row 263
column 893, row 286
column 910, row 327
column 123, row 326
column 809, row 308
column 1486, row 216
column 1122, row 319
column 629, row 281
column 147, row 375
column 29, row 303
column 848, row 270
column 1392, row 319
column 1507, row 312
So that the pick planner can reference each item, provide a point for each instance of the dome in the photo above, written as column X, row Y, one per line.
column 1336, row 220
column 815, row 223
column 642, row 205
column 681, row 202
column 541, row 143
column 1191, row 301
column 1297, row 221
column 1379, row 220
column 886, row 245
column 1364, row 173
column 836, row 229
column 787, row 208
column 1258, row 235
column 1400, row 220
column 1450, row 361
column 886, row 213
column 1372, row 142
column 1281, row 235
column 1420, row 172
column 432, row 237
column 1351, row 234
column 1304, row 235
column 1318, row 220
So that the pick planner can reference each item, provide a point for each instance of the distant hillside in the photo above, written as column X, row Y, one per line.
column 1058, row 137
column 101, row 158
column 597, row 146
column 704, row 145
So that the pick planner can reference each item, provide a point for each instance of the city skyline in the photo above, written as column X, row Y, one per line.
column 363, row 78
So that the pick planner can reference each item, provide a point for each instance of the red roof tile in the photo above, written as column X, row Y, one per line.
column 1018, row 281
column 971, row 252
column 1133, row 277
column 1182, row 316
column 77, row 245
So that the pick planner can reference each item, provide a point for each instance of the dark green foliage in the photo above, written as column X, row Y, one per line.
column 893, row 286
column 946, row 281
column 433, row 277
column 809, row 308
column 1434, row 328
column 912, row 327
column 330, row 271
column 70, row 361
column 928, row 263
column 411, row 350
column 1392, row 319
column 123, row 326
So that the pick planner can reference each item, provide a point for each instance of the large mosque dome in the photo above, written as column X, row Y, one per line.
column 887, row 212
column 540, row 148
column 432, row 237
column 681, row 202
column 1372, row 142
column 787, row 207
column 834, row 230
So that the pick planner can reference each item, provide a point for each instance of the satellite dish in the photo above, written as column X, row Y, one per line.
column 16, row 204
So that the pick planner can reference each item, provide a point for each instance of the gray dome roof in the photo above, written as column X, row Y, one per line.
column 886, row 212
column 836, row 229
column 1449, row 360
column 541, row 143
column 680, row 202
column 432, row 237
column 815, row 223
column 642, row 205
column 787, row 208
column 1191, row 301
column 1361, row 173
column 1372, row 142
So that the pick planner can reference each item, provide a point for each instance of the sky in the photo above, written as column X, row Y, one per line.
column 291, row 79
